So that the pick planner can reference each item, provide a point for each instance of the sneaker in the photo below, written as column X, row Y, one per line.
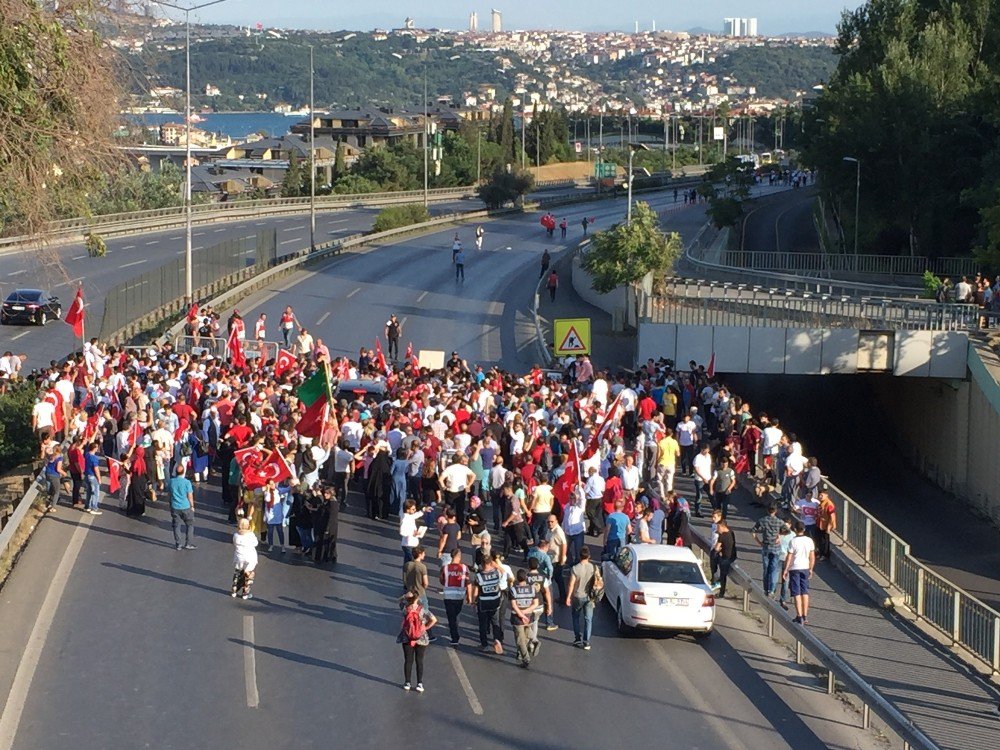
column 533, row 648
column 270, row 548
column 233, row 595
column 406, row 686
column 784, row 605
column 190, row 546
column 497, row 647
column 797, row 620
column 524, row 664
column 578, row 643
column 51, row 509
column 552, row 626
column 716, row 586
column 420, row 687
column 454, row 641
column 586, row 647
column 178, row 547
column 248, row 596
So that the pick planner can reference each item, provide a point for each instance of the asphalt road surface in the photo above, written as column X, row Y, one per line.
column 136, row 645
column 782, row 223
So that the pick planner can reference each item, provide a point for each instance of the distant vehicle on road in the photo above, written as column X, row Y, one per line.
column 30, row 306
column 660, row 587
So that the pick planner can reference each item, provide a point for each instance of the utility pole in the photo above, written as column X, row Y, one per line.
column 426, row 131
column 524, row 129
column 479, row 153
column 312, row 154
column 538, row 148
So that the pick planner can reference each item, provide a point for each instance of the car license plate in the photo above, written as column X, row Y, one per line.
column 670, row 601
column 17, row 307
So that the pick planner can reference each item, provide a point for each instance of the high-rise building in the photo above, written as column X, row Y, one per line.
column 496, row 21
column 738, row 27
column 473, row 21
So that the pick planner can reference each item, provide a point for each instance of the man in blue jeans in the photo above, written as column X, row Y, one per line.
column 92, row 477
column 767, row 533
column 615, row 528
column 578, row 597
column 182, row 508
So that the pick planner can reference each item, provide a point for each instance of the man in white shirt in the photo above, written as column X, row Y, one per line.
column 630, row 475
column 42, row 418
column 702, row 476
column 593, row 493
column 687, row 438
column 10, row 365
column 456, row 481
column 798, row 571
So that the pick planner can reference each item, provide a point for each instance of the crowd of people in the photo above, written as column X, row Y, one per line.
column 472, row 465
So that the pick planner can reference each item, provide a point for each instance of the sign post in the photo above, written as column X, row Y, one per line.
column 571, row 336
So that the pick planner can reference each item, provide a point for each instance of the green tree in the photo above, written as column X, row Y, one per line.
column 292, row 185
column 352, row 184
column 625, row 253
column 505, row 132
column 505, row 187
column 339, row 164
column 393, row 168
column 126, row 189
column 726, row 186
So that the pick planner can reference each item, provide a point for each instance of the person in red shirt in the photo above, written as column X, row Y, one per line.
column 613, row 491
column 647, row 407
column 240, row 433
column 183, row 409
column 76, row 467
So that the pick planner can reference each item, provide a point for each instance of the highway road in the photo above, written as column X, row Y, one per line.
column 783, row 223
column 62, row 268
column 137, row 645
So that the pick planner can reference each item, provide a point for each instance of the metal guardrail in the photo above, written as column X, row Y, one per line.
column 949, row 609
column 216, row 346
column 824, row 263
column 837, row 670
column 696, row 302
column 16, row 518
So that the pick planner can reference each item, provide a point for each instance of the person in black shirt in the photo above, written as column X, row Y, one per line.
column 393, row 330
column 726, row 553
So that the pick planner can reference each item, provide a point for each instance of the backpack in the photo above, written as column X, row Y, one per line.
column 413, row 626
column 595, row 589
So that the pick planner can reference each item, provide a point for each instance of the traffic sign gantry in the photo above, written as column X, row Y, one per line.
column 571, row 335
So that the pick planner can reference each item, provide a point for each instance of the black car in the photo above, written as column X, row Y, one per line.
column 30, row 306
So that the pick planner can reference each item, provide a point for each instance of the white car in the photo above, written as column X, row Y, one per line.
column 659, row 586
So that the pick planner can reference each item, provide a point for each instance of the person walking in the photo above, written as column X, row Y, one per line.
column 92, row 477
column 524, row 606
column 563, row 225
column 460, row 265
column 552, row 283
column 488, row 590
column 799, row 569
column 275, row 513
column 721, row 486
column 546, row 259
column 766, row 532
column 288, row 324
column 725, row 549
column 582, row 595
column 182, row 508
column 244, row 559
column 417, row 621
column 585, row 223
column 55, row 475
column 457, row 590
column 480, row 232
column 826, row 524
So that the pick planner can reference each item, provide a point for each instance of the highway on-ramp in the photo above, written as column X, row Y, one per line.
column 134, row 644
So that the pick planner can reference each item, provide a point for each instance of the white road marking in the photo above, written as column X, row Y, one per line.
column 339, row 221
column 421, row 297
column 403, row 321
column 250, row 663
column 68, row 283
column 260, row 223
column 463, row 679
column 78, row 257
column 197, row 234
column 133, row 263
column 285, row 242
column 223, row 229
column 298, row 226
column 323, row 318
column 18, row 696
column 354, row 292
column 18, row 273
column 129, row 247
column 15, row 338
column 153, row 242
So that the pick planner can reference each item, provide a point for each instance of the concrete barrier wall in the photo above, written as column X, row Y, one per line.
column 950, row 429
column 619, row 302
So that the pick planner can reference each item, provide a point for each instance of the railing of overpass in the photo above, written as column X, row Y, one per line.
column 869, row 265
column 694, row 302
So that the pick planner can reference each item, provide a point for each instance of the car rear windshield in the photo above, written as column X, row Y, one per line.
column 24, row 296
column 669, row 571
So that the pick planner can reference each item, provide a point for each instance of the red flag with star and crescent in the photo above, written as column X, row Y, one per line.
column 250, row 461
column 285, row 362
column 562, row 488
column 234, row 349
column 380, row 357
column 604, row 431
column 274, row 468
column 75, row 314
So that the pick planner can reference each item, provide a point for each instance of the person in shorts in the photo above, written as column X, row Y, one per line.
column 798, row 570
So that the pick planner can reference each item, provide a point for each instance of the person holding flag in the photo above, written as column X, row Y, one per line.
column 234, row 344
column 316, row 395
column 75, row 314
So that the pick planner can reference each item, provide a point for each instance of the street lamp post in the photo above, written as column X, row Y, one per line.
column 188, row 291
column 312, row 155
column 632, row 148
column 857, row 204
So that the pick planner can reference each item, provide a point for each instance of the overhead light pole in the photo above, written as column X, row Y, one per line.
column 632, row 148
column 857, row 204
column 188, row 291
column 312, row 155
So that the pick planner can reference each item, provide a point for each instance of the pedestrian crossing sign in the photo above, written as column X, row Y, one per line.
column 571, row 336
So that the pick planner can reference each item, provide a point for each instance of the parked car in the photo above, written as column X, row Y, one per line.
column 659, row 587
column 30, row 306
column 364, row 390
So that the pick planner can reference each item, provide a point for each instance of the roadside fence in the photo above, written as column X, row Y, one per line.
column 868, row 265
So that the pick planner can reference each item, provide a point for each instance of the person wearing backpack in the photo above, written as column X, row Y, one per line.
column 417, row 620
column 586, row 587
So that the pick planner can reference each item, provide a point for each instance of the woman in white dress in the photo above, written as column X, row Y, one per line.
column 244, row 559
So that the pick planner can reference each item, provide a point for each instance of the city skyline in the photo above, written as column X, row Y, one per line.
column 775, row 16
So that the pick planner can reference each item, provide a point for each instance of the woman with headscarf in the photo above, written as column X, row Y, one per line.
column 138, row 486
column 400, row 466
column 678, row 522
column 182, row 446
column 379, row 481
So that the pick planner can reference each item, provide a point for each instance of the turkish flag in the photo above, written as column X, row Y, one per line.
column 250, row 461
column 380, row 358
column 711, row 367
column 90, row 431
column 604, row 430
column 55, row 398
column 284, row 362
column 563, row 487
column 114, row 474
column 275, row 468
column 313, row 419
column 74, row 316
column 234, row 348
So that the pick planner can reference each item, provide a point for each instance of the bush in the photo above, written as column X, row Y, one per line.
column 17, row 443
column 95, row 246
column 393, row 217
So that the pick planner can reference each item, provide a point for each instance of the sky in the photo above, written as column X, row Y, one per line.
column 774, row 16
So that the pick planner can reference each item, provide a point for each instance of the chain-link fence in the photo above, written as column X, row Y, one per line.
column 163, row 288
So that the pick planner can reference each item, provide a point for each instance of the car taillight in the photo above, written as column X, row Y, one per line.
column 709, row 601
column 637, row 597
column 32, row 307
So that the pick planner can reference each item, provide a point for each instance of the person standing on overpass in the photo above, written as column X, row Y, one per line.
column 798, row 571
column 479, row 237
column 393, row 330
column 546, row 259
column 460, row 264
column 552, row 283
column 288, row 324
